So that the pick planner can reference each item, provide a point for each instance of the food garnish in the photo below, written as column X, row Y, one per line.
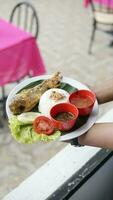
column 55, row 95
column 24, row 133
column 44, row 125
column 28, row 117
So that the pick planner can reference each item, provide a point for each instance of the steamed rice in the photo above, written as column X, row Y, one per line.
column 46, row 102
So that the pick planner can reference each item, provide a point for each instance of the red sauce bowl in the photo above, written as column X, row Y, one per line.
column 67, row 122
column 84, row 100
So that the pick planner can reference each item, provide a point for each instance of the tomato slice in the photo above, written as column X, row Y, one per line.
column 43, row 125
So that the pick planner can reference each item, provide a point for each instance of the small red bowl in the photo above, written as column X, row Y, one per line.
column 84, row 100
column 67, row 121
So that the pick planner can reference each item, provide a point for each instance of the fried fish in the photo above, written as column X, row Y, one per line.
column 27, row 99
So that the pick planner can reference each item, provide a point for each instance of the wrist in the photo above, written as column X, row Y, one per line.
column 75, row 142
column 80, row 141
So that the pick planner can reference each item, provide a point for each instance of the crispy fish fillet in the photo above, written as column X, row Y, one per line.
column 28, row 98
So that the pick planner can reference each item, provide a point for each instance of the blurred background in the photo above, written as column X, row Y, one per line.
column 64, row 36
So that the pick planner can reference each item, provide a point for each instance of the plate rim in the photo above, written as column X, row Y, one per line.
column 75, row 83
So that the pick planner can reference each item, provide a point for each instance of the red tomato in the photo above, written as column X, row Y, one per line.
column 43, row 125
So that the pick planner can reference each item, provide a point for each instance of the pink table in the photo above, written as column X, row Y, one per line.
column 19, row 54
column 103, row 2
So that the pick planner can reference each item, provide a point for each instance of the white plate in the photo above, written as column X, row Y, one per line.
column 84, row 128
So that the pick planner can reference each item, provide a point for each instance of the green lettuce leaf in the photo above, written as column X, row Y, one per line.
column 24, row 133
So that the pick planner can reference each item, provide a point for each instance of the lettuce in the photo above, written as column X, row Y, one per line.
column 24, row 133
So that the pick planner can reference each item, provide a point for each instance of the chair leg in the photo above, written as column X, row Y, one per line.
column 92, row 36
column 3, row 102
column 18, row 81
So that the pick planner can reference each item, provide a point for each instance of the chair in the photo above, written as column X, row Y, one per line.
column 102, row 14
column 24, row 16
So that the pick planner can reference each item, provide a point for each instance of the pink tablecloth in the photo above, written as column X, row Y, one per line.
column 103, row 2
column 19, row 54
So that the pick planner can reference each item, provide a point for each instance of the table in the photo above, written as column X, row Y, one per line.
column 19, row 54
column 103, row 2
